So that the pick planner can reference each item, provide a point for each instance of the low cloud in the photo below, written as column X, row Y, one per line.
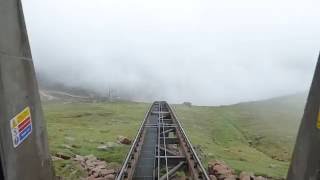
column 207, row 52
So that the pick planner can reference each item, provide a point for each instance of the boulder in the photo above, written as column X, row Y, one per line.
column 220, row 170
column 232, row 177
column 79, row 158
column 94, row 178
column 246, row 176
column 106, row 172
column 110, row 177
column 90, row 157
column 124, row 140
column 260, row 178
column 212, row 177
column 91, row 178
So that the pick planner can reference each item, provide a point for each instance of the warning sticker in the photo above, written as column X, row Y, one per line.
column 21, row 127
column 318, row 120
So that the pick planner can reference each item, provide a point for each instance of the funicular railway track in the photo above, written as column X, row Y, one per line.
column 161, row 149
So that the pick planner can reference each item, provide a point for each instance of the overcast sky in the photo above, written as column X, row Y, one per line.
column 209, row 52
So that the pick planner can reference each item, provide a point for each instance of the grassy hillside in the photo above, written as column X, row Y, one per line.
column 256, row 136
column 79, row 128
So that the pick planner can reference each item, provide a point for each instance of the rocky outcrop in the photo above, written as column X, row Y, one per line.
column 246, row 176
column 219, row 170
column 96, row 169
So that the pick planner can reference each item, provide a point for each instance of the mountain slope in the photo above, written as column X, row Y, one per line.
column 254, row 136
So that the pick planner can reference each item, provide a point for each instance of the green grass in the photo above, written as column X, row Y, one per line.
column 79, row 128
column 256, row 137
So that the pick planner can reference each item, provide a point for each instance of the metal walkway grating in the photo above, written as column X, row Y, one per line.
column 146, row 163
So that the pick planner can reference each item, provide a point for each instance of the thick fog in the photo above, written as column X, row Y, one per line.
column 207, row 52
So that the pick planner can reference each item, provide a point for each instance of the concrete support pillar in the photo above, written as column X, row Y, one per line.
column 305, row 163
column 24, row 153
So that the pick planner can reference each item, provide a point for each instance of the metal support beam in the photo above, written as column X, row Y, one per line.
column 169, row 152
column 171, row 160
column 172, row 157
column 166, row 132
column 169, row 140
column 173, row 170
